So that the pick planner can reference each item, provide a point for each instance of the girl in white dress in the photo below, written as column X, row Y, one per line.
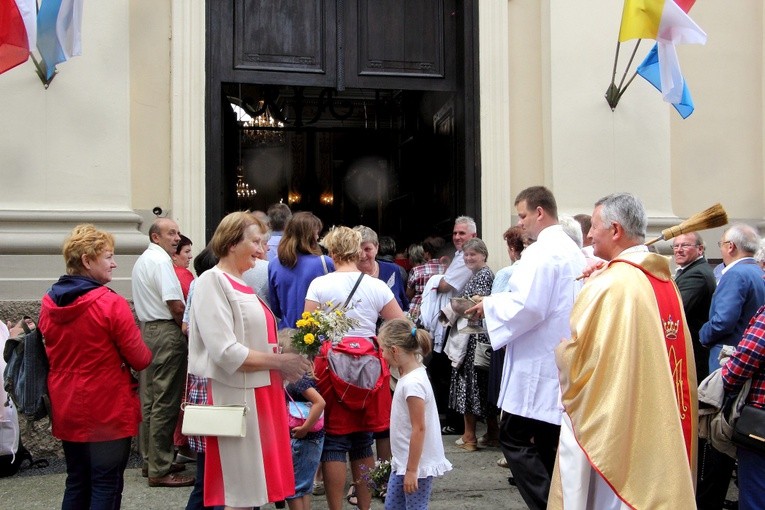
column 415, row 435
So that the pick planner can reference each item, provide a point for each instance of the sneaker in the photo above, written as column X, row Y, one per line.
column 318, row 489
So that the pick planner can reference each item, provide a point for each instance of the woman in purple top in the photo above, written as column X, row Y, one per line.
column 298, row 262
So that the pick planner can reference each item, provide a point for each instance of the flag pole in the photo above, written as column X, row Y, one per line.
column 612, row 93
column 632, row 57
column 621, row 91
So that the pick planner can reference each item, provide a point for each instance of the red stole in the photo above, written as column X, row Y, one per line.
column 671, row 315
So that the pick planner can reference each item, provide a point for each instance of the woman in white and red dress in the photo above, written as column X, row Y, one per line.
column 232, row 342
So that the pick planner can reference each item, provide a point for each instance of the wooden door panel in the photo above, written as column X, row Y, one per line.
column 400, row 44
column 285, row 36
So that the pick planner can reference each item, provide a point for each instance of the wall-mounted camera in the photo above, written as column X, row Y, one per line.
column 157, row 211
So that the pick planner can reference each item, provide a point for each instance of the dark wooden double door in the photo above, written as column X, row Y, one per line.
column 372, row 105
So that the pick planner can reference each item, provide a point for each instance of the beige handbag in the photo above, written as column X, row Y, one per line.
column 215, row 420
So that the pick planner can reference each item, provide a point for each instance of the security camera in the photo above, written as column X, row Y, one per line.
column 157, row 211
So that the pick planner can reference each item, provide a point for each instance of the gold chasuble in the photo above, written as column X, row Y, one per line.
column 628, row 388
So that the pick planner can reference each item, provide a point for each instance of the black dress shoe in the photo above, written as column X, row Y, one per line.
column 172, row 480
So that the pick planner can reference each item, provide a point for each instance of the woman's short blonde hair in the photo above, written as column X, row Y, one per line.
column 86, row 240
column 231, row 231
column 343, row 244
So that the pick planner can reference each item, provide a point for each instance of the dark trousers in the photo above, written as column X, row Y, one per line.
column 94, row 474
column 529, row 446
column 714, row 473
column 440, row 373
column 751, row 480
column 196, row 498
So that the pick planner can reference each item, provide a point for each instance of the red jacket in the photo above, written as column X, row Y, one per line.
column 92, row 343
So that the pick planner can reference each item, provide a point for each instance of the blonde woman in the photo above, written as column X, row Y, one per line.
column 349, row 432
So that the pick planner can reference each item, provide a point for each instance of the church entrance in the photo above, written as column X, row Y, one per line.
column 356, row 124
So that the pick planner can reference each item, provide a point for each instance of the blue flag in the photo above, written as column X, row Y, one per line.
column 649, row 70
column 48, row 42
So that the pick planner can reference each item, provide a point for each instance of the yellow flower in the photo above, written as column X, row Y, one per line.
column 338, row 313
column 306, row 315
column 308, row 338
column 301, row 323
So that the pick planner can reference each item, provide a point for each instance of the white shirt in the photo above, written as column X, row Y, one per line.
column 154, row 283
column 257, row 278
column 273, row 245
column 725, row 269
column 530, row 322
column 433, row 462
column 369, row 299
column 457, row 275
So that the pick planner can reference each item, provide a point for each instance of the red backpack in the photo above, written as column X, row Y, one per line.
column 354, row 380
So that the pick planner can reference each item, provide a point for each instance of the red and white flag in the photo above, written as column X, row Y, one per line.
column 18, row 32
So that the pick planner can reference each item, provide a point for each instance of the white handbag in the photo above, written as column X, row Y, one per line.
column 214, row 420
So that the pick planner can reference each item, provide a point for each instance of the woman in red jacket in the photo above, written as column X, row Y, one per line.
column 92, row 343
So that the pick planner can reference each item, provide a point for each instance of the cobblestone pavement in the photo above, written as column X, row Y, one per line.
column 476, row 482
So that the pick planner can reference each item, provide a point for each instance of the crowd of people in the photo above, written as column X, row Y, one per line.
column 567, row 354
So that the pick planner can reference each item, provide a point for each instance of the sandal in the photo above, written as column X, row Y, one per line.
column 471, row 446
column 351, row 496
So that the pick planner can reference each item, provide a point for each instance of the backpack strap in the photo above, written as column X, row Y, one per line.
column 324, row 264
column 353, row 290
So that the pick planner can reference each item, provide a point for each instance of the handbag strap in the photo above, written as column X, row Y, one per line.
column 353, row 290
column 296, row 406
column 185, row 400
column 324, row 264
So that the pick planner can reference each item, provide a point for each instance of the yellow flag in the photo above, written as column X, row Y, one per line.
column 641, row 19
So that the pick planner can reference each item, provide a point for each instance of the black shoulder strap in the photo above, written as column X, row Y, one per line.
column 353, row 290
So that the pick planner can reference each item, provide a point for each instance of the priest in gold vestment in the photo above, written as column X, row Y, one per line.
column 628, row 380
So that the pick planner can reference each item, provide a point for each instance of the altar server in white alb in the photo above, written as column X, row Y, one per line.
column 530, row 320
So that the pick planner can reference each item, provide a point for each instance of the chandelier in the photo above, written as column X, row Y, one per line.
column 243, row 190
column 263, row 130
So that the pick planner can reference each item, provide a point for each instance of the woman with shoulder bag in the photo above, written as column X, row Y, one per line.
column 233, row 343
column 748, row 362
column 348, row 431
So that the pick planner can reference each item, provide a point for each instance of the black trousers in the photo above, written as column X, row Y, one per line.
column 530, row 446
column 713, row 477
column 440, row 373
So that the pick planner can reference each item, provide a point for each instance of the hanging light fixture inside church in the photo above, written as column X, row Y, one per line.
column 243, row 190
column 263, row 130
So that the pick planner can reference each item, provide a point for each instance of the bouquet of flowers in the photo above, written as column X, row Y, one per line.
column 314, row 328
column 376, row 478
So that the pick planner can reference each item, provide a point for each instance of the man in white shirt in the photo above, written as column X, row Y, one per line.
column 452, row 283
column 457, row 275
column 159, row 305
column 530, row 322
